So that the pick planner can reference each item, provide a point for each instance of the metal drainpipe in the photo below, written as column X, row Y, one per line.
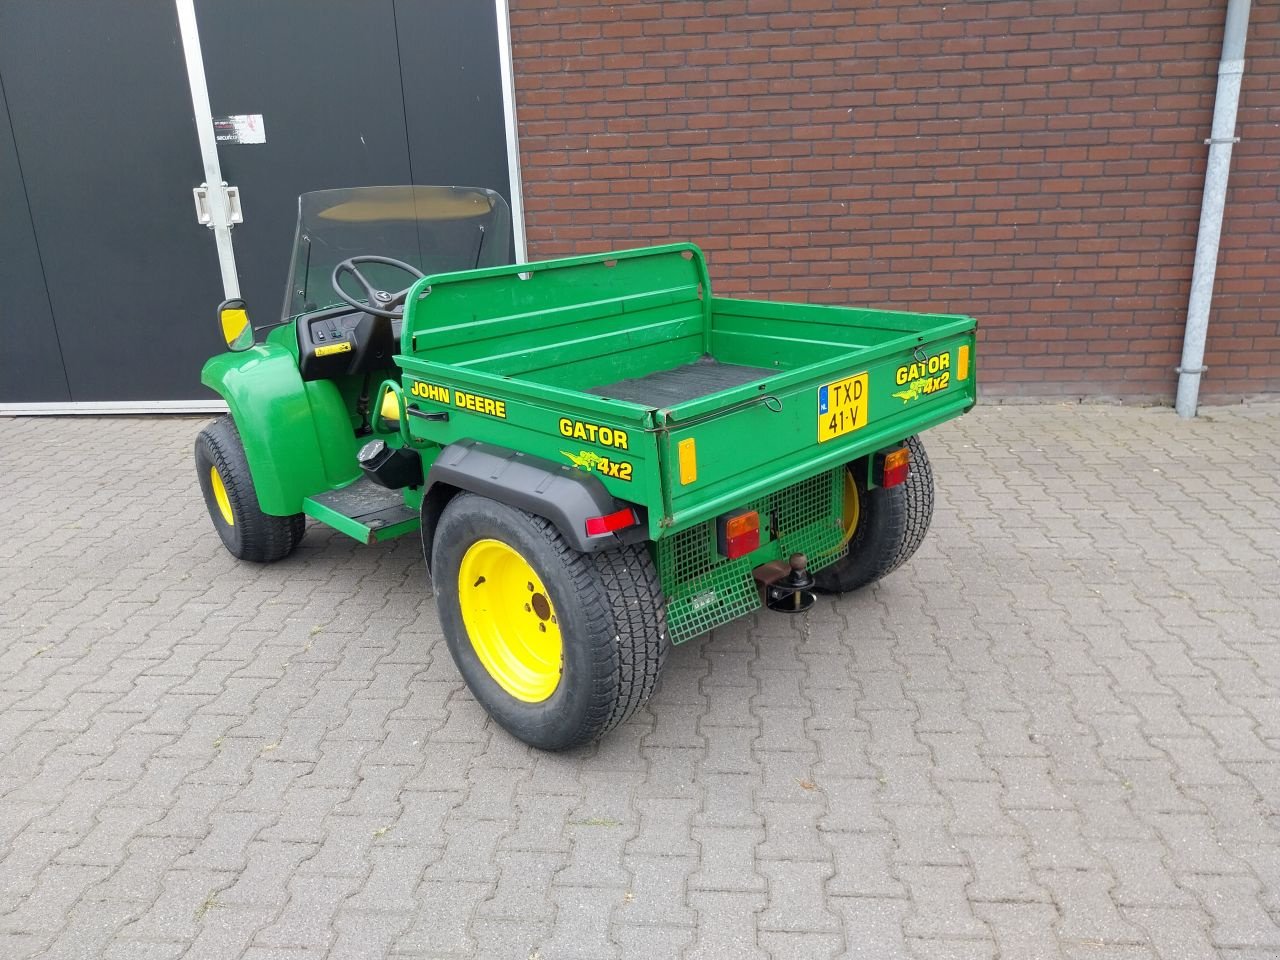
column 1222, row 137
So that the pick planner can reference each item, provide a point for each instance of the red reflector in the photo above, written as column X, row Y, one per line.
column 598, row 526
column 896, row 466
column 741, row 545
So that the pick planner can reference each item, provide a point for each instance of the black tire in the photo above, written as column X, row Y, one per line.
column 876, row 541
column 608, row 606
column 250, row 534
column 918, row 502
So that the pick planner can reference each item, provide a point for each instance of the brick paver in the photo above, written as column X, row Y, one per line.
column 1055, row 733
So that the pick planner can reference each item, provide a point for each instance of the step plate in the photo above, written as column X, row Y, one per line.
column 363, row 510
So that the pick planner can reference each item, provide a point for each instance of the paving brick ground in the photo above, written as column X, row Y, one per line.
column 1055, row 733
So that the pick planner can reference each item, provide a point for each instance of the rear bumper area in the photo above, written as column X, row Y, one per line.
column 705, row 590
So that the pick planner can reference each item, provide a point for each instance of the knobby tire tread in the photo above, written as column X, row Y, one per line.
column 262, row 538
column 621, row 592
column 918, row 501
column 621, row 600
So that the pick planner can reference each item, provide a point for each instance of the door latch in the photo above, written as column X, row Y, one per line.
column 204, row 209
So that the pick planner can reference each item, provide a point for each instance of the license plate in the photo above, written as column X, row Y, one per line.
column 842, row 407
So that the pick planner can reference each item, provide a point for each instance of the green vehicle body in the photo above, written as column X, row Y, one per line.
column 298, row 436
column 520, row 358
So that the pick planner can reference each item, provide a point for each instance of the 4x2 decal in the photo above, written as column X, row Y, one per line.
column 589, row 460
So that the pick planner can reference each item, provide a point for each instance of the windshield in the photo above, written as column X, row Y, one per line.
column 437, row 229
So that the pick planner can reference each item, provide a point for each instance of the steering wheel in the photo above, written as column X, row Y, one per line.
column 380, row 303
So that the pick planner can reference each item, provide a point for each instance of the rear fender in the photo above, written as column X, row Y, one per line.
column 297, row 436
column 554, row 491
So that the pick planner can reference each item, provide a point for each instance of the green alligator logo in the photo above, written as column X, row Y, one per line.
column 915, row 389
column 586, row 460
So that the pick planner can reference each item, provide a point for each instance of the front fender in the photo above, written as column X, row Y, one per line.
column 297, row 435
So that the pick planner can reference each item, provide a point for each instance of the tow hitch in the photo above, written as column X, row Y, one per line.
column 788, row 588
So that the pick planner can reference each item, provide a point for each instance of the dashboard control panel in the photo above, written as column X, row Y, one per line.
column 341, row 342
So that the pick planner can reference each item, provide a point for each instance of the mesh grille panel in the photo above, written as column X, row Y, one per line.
column 705, row 590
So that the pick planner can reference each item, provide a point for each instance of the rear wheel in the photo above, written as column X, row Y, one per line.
column 917, row 502
column 558, row 646
column 223, row 472
column 875, row 522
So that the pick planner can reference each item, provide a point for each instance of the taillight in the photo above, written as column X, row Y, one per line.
column 599, row 526
column 738, row 534
column 892, row 468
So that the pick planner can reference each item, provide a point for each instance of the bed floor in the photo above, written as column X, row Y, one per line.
column 669, row 387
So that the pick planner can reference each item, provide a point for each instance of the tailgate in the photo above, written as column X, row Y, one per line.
column 721, row 453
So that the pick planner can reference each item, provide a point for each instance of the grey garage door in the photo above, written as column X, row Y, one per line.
column 108, row 285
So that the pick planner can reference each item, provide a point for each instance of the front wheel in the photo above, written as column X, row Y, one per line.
column 223, row 472
column 558, row 646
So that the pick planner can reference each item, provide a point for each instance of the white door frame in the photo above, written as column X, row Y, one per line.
column 219, row 213
column 505, row 67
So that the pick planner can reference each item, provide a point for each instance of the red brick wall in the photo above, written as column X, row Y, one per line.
column 1037, row 165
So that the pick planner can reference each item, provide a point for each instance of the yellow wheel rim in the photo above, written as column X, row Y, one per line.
column 510, row 620
column 852, row 507
column 220, row 496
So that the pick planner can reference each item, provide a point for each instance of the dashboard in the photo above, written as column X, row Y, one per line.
column 342, row 341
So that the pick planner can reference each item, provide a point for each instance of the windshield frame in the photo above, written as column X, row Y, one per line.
column 437, row 229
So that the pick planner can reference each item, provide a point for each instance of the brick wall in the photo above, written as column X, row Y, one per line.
column 1035, row 164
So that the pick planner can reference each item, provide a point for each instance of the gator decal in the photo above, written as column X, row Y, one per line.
column 589, row 460
column 593, row 433
column 923, row 377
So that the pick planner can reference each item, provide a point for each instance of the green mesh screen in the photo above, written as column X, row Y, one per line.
column 705, row 590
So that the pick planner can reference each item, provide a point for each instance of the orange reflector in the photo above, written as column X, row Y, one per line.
column 742, row 523
column 738, row 534
column 688, row 451
column 896, row 466
column 962, row 363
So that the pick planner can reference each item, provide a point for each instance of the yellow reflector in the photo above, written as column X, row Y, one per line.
column 962, row 363
column 688, row 460
column 390, row 406
column 234, row 320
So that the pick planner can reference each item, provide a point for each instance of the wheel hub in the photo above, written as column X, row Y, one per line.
column 220, row 496
column 852, row 507
column 510, row 620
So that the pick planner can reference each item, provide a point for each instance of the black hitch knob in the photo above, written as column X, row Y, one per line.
column 794, row 593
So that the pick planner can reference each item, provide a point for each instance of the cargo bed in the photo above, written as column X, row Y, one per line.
column 706, row 402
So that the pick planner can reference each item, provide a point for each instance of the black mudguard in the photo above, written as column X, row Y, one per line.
column 563, row 495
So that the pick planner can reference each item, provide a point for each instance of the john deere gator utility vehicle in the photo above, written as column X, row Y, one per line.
column 601, row 457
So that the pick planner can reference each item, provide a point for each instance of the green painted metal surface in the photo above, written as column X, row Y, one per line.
column 354, row 528
column 552, row 360
column 511, row 353
column 297, row 436
column 526, row 357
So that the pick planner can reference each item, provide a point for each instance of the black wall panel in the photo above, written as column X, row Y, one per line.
column 453, row 92
column 30, row 358
column 102, row 120
column 379, row 91
column 324, row 76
